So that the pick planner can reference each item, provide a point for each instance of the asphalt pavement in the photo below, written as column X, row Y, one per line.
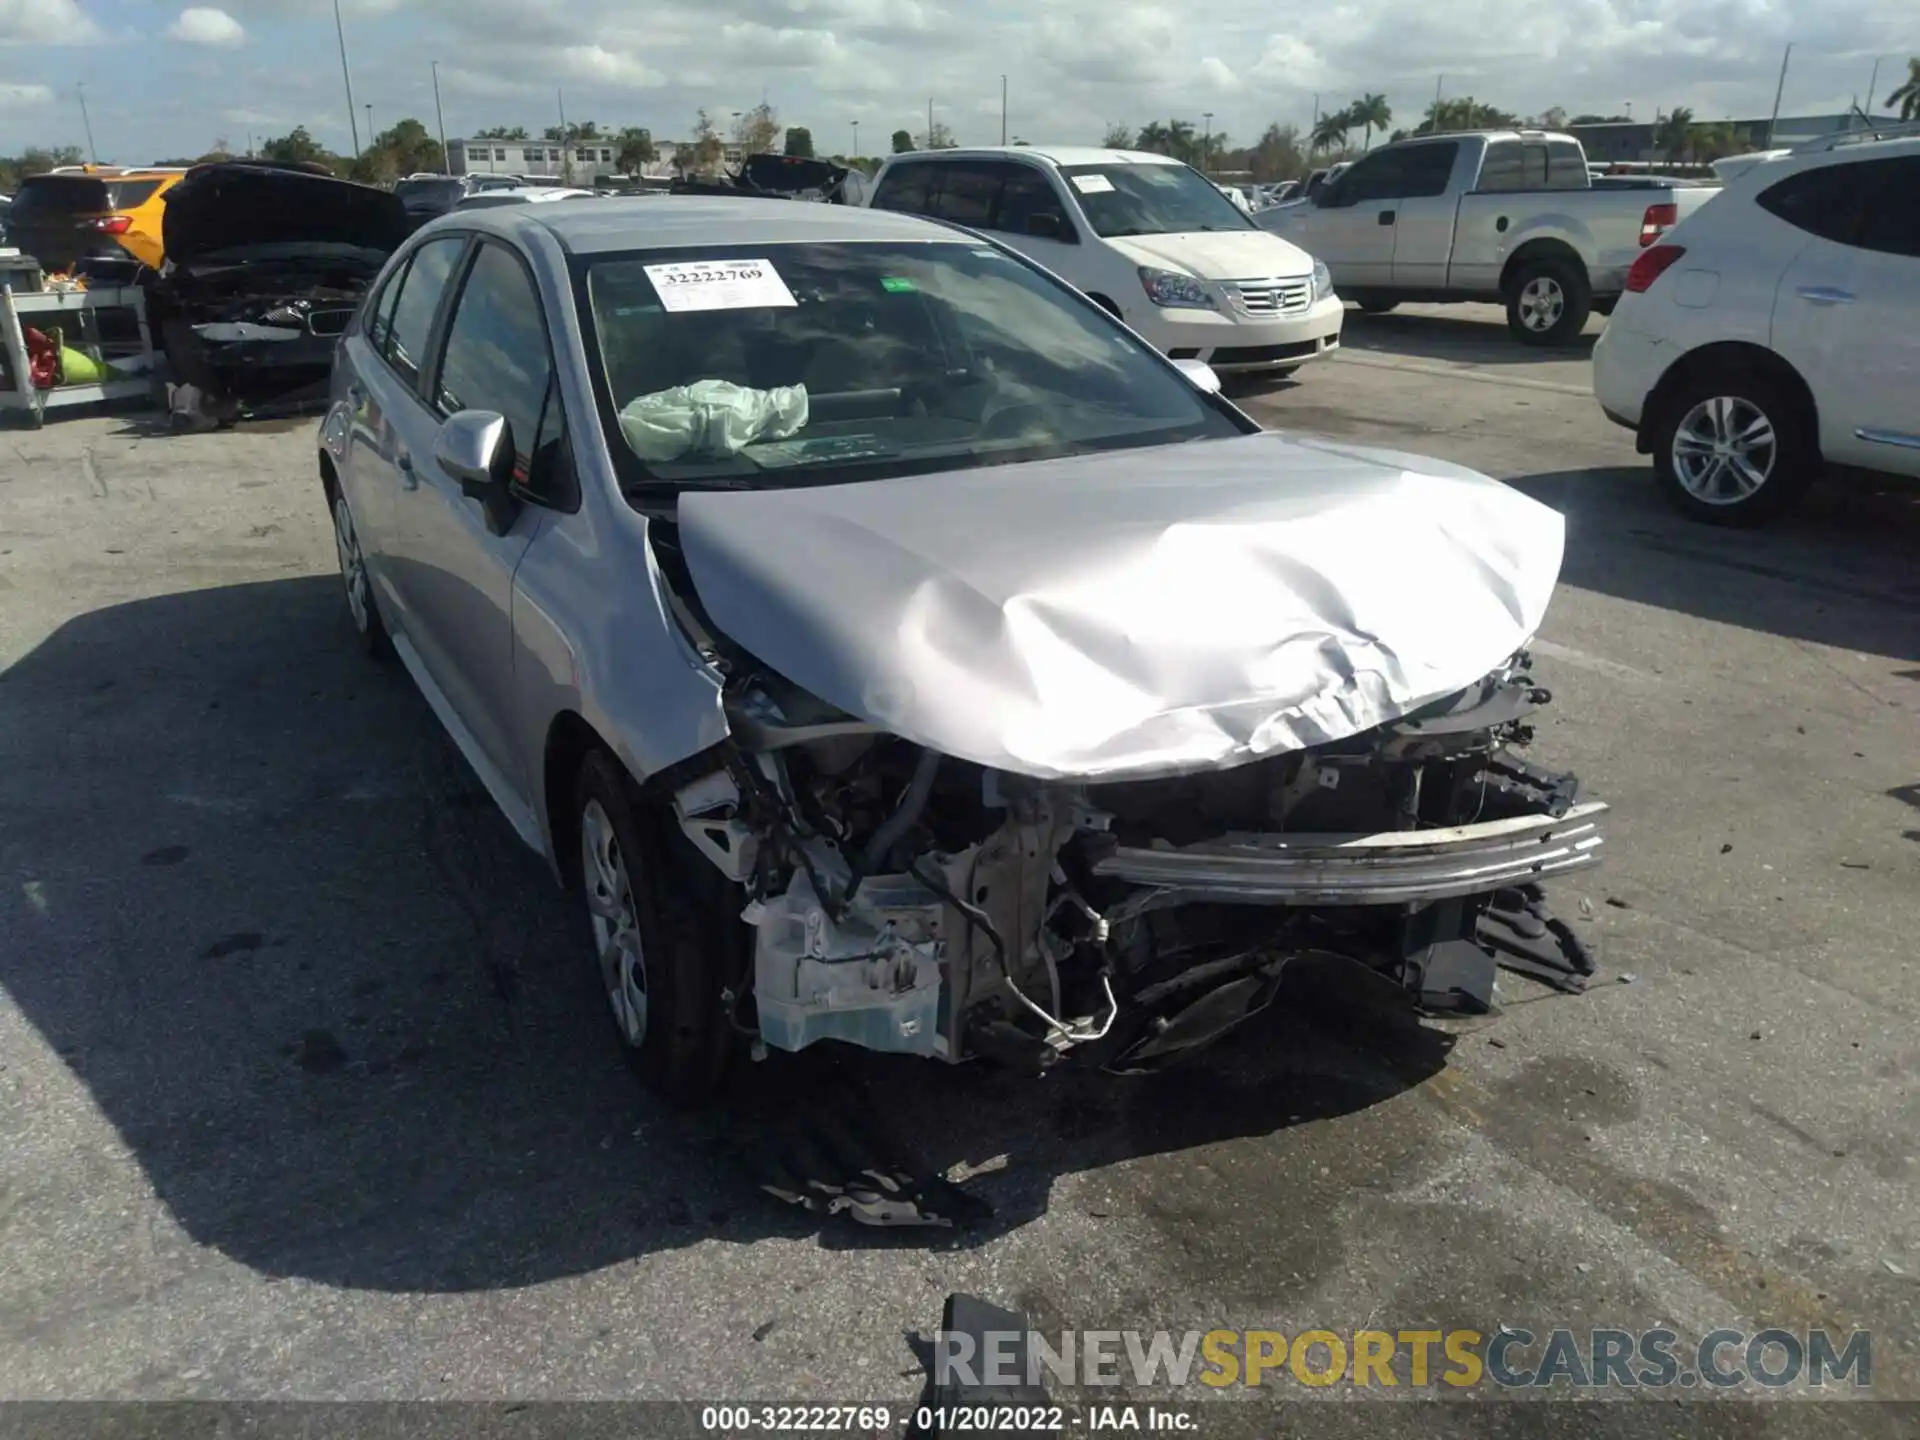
column 306, row 1090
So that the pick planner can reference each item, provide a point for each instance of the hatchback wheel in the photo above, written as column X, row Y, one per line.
column 1734, row 449
column 662, row 937
column 361, row 606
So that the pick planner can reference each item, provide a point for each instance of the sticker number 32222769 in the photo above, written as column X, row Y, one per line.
column 718, row 285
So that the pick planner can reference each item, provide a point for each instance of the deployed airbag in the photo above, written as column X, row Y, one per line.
column 710, row 419
column 1136, row 612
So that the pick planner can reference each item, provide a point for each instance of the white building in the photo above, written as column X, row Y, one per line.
column 575, row 162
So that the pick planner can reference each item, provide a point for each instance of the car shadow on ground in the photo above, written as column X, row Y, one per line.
column 1839, row 571
column 1470, row 339
column 343, row 1019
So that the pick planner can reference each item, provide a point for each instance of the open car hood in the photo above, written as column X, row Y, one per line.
column 1133, row 613
column 224, row 207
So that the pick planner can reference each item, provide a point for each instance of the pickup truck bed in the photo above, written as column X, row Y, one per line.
column 1461, row 217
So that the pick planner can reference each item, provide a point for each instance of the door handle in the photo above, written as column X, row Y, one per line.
column 1825, row 295
column 1386, row 217
column 408, row 479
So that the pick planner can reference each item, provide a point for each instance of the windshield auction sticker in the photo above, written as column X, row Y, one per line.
column 1092, row 184
column 719, row 285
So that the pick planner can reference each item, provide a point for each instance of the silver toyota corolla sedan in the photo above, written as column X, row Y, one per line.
column 890, row 647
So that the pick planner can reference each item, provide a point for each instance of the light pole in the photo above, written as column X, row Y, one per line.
column 346, row 74
column 371, row 132
column 1003, row 109
column 440, row 121
column 930, row 122
column 1873, row 85
column 856, row 140
column 1206, row 145
column 80, row 89
column 1778, row 91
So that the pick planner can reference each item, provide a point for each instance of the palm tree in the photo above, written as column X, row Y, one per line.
column 1674, row 133
column 1332, row 130
column 1371, row 112
column 1907, row 97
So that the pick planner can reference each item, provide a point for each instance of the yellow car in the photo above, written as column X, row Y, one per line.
column 91, row 212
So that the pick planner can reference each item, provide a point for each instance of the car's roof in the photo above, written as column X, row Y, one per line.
column 1054, row 154
column 685, row 221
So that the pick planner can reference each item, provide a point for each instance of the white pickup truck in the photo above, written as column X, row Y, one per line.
column 1507, row 215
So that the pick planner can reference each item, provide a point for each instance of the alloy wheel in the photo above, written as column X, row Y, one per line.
column 1542, row 303
column 616, row 932
column 1724, row 450
column 353, row 566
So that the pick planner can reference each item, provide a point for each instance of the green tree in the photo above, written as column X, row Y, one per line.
column 295, row 146
column 580, row 130
column 1331, row 131
column 708, row 148
column 1719, row 140
column 1118, row 136
column 799, row 142
column 1277, row 155
column 938, row 138
column 1177, row 138
column 755, row 130
column 1371, row 113
column 1601, row 120
column 1907, row 96
column 902, row 141
column 503, row 132
column 633, row 148
column 1673, row 135
column 409, row 148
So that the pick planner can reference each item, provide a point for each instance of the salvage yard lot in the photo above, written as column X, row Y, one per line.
column 305, row 1088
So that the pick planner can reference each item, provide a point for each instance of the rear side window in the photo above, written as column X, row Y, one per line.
column 967, row 193
column 905, row 187
column 410, row 323
column 1502, row 168
column 1566, row 166
column 1868, row 204
column 1029, row 205
column 126, row 194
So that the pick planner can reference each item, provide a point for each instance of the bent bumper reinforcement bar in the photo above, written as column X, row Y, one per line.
column 1391, row 868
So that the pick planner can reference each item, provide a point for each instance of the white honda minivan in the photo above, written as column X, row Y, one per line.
column 1148, row 237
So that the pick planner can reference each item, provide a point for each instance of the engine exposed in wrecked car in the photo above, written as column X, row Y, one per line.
column 905, row 901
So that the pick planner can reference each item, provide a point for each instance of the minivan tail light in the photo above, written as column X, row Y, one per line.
column 1650, row 265
column 1656, row 222
column 111, row 224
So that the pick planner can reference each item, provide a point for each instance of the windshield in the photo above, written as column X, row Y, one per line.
column 805, row 364
column 1151, row 200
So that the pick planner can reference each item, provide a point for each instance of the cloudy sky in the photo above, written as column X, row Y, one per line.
column 164, row 80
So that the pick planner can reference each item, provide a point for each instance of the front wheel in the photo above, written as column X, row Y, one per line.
column 1548, row 302
column 660, row 948
column 1372, row 306
column 1734, row 449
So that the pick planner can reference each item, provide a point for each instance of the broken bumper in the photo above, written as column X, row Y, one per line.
column 1398, row 867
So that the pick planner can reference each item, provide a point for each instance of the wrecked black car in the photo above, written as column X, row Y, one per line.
column 265, row 266
column 782, row 177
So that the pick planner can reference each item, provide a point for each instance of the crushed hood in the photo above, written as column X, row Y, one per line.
column 224, row 207
column 1153, row 611
column 1218, row 254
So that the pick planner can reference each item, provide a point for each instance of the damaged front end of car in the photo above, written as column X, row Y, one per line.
column 265, row 268
column 905, row 901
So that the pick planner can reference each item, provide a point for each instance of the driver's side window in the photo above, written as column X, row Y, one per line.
column 1377, row 177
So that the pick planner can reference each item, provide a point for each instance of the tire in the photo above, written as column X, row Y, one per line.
column 637, row 887
column 1371, row 306
column 1548, row 301
column 363, row 607
column 1711, row 405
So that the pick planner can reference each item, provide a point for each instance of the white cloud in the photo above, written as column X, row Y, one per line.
column 1219, row 76
column 46, row 22
column 596, row 62
column 23, row 97
column 202, row 25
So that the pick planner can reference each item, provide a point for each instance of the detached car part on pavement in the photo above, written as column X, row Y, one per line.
column 894, row 649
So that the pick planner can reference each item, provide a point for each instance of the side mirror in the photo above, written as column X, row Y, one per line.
column 1200, row 375
column 475, row 447
column 1046, row 227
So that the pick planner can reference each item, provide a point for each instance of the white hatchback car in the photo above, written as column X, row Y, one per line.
column 1148, row 237
column 1776, row 330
